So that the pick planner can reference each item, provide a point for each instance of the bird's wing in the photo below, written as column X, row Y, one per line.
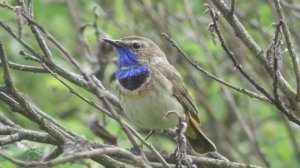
column 196, row 138
column 180, row 91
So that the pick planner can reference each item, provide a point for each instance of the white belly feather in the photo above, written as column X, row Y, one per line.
column 148, row 111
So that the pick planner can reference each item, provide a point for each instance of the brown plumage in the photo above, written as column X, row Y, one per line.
column 162, row 91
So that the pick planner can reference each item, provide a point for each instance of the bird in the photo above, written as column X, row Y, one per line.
column 149, row 87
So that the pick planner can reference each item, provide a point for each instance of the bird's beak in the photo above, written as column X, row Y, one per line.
column 115, row 43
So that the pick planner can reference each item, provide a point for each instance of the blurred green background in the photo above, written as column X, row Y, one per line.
column 219, row 108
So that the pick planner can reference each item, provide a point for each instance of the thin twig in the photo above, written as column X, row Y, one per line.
column 90, row 102
column 5, row 121
column 290, row 46
column 74, row 78
column 6, row 72
column 28, row 110
column 275, row 62
column 149, row 146
column 54, row 154
column 206, row 73
column 29, row 57
column 19, row 134
column 93, row 88
column 90, row 83
column 79, row 155
column 26, row 68
column 280, row 106
column 109, row 114
column 249, row 42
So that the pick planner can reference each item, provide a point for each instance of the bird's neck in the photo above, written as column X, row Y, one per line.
column 131, row 75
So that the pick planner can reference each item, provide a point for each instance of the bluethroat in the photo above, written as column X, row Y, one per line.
column 149, row 87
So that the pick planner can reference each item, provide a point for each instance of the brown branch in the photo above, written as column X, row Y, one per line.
column 280, row 106
column 86, row 84
column 78, row 94
column 275, row 62
column 209, row 75
column 84, row 80
column 29, row 57
column 5, row 121
column 26, row 68
column 8, row 99
column 237, row 65
column 245, row 37
column 28, row 110
column 100, row 131
column 74, row 78
column 97, row 91
column 205, row 162
column 19, row 134
column 228, row 96
column 290, row 46
column 54, row 154
column 80, row 155
column 109, row 114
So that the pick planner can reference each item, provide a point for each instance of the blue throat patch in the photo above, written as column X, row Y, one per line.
column 127, row 58
column 130, row 74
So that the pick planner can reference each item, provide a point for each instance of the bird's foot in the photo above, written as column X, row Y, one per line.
column 180, row 155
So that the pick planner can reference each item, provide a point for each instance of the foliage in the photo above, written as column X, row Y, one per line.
column 220, row 108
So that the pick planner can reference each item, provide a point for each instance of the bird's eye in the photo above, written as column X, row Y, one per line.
column 136, row 46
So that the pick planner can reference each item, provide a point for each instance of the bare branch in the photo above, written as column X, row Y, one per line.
column 205, row 162
column 244, row 36
column 74, row 78
column 275, row 62
column 27, row 109
column 8, row 122
column 26, row 68
column 100, row 131
column 19, row 134
column 79, row 155
column 29, row 57
column 280, row 106
column 290, row 46
column 54, row 154
column 206, row 73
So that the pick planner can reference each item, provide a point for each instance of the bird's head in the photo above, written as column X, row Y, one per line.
column 135, row 50
column 136, row 57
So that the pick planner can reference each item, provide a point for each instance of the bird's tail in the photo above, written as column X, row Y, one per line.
column 196, row 138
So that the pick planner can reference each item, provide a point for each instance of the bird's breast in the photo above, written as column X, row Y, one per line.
column 148, row 106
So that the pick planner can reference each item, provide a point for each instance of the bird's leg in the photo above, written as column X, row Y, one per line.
column 143, row 142
column 180, row 152
column 147, row 137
